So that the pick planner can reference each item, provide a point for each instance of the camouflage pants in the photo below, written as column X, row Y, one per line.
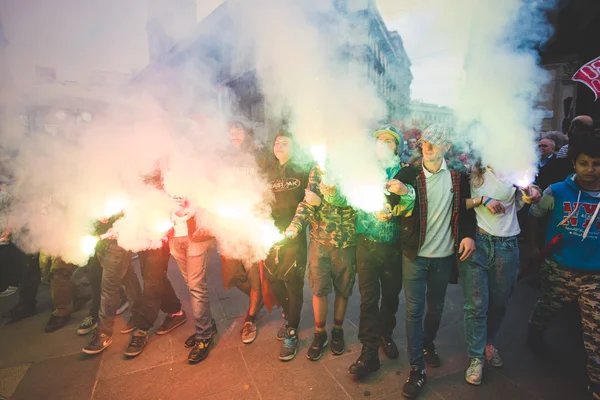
column 560, row 287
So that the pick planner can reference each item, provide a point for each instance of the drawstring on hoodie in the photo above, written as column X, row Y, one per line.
column 566, row 219
column 587, row 230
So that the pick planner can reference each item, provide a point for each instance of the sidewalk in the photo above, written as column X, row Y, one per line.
column 35, row 365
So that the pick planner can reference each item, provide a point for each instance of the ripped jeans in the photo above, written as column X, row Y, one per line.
column 488, row 280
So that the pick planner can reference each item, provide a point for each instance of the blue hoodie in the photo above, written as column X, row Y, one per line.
column 571, row 210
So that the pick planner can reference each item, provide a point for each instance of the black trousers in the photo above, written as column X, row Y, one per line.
column 379, row 268
column 30, row 278
column 285, row 270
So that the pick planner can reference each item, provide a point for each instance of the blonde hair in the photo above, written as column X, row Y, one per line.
column 476, row 175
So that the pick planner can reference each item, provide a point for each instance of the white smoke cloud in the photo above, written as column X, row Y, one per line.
column 481, row 56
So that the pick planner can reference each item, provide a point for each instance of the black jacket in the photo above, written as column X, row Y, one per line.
column 413, row 228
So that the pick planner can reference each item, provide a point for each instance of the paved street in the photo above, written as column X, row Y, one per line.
column 35, row 365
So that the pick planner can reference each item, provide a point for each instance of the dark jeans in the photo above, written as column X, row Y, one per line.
column 425, row 279
column 488, row 280
column 285, row 269
column 131, row 283
column 158, row 292
column 379, row 268
column 116, row 267
column 192, row 259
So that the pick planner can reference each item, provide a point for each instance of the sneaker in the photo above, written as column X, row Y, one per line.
column 289, row 346
column 315, row 351
column 367, row 362
column 389, row 347
column 492, row 356
column 535, row 340
column 9, row 291
column 129, row 326
column 199, row 350
column 474, row 373
column 594, row 390
column 19, row 312
column 138, row 341
column 124, row 305
column 415, row 382
column 337, row 341
column 248, row 332
column 190, row 341
column 100, row 341
column 171, row 322
column 55, row 323
column 431, row 356
column 87, row 325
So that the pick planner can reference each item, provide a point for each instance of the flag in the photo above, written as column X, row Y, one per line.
column 589, row 75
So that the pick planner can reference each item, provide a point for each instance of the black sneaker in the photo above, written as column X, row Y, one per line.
column 129, row 326
column 415, row 382
column 138, row 341
column 315, row 351
column 55, row 323
column 389, row 347
column 431, row 356
column 171, row 322
column 100, row 341
column 535, row 340
column 190, row 341
column 337, row 341
column 367, row 362
column 19, row 312
column 87, row 325
column 594, row 390
column 199, row 350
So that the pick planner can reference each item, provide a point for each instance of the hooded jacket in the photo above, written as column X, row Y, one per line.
column 574, row 214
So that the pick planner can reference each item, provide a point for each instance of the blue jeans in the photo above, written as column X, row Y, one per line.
column 424, row 279
column 488, row 280
column 192, row 258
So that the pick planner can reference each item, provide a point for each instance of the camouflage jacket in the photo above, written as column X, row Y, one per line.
column 333, row 223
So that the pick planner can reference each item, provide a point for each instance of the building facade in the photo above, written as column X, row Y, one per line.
column 425, row 113
column 380, row 56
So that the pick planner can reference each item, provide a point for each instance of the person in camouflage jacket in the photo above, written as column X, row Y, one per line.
column 332, row 256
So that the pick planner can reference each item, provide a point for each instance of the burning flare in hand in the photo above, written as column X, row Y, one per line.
column 114, row 206
column 88, row 244
column 319, row 153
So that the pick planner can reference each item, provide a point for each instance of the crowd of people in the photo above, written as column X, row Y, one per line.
column 439, row 225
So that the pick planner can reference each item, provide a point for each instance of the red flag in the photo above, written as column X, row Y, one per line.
column 268, row 296
column 589, row 75
column 543, row 254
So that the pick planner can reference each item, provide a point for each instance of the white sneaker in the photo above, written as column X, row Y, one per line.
column 248, row 332
column 492, row 356
column 474, row 373
column 9, row 291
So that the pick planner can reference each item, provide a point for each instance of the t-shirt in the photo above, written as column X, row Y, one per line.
column 501, row 225
column 439, row 241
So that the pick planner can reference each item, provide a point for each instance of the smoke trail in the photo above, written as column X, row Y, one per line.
column 487, row 70
column 304, row 58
